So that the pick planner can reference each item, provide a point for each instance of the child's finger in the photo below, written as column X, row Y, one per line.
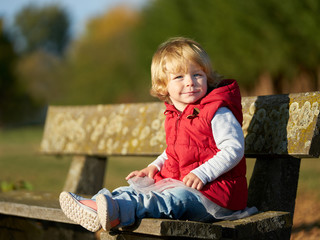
column 132, row 174
column 185, row 180
column 188, row 182
column 199, row 186
column 195, row 185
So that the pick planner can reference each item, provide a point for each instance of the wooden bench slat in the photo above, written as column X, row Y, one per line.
column 276, row 124
column 119, row 129
column 167, row 227
column 282, row 124
column 46, row 207
column 256, row 225
column 43, row 206
column 245, row 228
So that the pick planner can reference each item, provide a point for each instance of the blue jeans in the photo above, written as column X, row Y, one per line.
column 174, row 203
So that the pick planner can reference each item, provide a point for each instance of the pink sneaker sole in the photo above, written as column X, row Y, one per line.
column 79, row 213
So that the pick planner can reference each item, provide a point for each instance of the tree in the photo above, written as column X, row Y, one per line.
column 39, row 73
column 13, row 99
column 244, row 38
column 46, row 28
column 7, row 59
column 45, row 33
column 101, row 66
column 7, row 80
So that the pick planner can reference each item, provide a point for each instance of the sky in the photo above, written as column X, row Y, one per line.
column 79, row 10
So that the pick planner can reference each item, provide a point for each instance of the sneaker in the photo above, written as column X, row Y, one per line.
column 73, row 207
column 108, row 212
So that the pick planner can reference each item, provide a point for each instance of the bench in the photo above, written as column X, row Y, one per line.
column 279, row 131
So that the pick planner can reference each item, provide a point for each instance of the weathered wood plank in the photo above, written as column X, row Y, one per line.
column 174, row 228
column 43, row 206
column 86, row 175
column 122, row 129
column 257, row 225
column 46, row 207
column 274, row 183
column 265, row 225
column 282, row 124
column 277, row 124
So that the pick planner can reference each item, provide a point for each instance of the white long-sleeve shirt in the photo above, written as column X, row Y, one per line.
column 228, row 135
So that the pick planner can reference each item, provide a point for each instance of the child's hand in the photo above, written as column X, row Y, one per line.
column 191, row 180
column 148, row 171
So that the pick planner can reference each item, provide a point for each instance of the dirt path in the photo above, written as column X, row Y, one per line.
column 306, row 222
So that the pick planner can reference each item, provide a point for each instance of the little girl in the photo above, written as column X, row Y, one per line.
column 201, row 174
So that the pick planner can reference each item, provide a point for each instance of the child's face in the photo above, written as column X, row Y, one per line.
column 186, row 86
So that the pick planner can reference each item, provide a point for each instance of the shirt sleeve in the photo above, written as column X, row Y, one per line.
column 160, row 160
column 229, row 138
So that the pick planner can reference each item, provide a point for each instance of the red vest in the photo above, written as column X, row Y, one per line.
column 190, row 143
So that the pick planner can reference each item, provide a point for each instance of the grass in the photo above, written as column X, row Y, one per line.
column 20, row 161
column 309, row 179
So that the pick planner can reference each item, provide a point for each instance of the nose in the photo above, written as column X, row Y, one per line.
column 189, row 80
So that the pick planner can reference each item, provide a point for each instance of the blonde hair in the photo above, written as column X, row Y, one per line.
column 177, row 52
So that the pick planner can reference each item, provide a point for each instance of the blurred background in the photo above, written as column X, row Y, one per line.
column 69, row 52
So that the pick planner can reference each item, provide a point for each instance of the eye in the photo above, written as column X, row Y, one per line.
column 178, row 77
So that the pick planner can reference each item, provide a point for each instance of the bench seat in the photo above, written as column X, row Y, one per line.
column 42, row 206
column 259, row 225
column 45, row 206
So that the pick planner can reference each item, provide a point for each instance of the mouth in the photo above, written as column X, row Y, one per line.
column 191, row 92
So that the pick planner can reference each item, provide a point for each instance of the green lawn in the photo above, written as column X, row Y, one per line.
column 20, row 160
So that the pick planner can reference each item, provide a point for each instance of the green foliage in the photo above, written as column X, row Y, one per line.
column 6, row 186
column 46, row 28
column 7, row 59
column 31, row 80
column 13, row 99
column 39, row 74
column 243, row 38
column 110, row 62
column 102, row 66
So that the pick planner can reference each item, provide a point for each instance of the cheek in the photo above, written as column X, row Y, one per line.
column 170, row 88
column 204, row 84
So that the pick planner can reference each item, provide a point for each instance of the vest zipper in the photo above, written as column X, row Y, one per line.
column 175, row 140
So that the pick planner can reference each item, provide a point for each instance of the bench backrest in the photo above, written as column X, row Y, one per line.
column 273, row 125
